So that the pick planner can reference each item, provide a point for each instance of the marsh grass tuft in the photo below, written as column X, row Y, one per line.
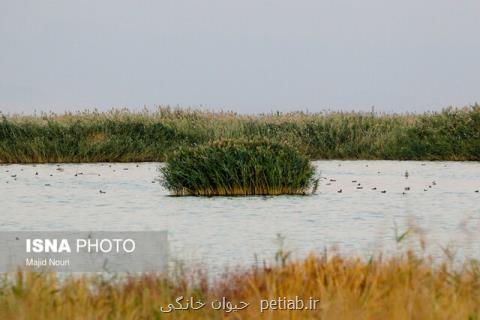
column 237, row 167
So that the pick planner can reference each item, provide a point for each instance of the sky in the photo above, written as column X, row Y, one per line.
column 249, row 56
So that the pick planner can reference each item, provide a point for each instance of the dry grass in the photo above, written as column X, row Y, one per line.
column 401, row 287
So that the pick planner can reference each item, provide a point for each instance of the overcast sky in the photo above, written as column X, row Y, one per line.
column 247, row 55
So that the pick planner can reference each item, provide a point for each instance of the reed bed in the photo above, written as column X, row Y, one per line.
column 405, row 286
column 124, row 136
column 237, row 167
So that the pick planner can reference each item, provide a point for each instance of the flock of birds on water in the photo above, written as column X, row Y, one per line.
column 359, row 186
column 60, row 169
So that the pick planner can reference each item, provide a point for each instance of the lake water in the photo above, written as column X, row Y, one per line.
column 441, row 204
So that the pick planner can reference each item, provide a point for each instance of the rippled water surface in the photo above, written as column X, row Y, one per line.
column 442, row 204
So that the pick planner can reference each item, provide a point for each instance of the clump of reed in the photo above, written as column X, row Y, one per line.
column 124, row 136
column 404, row 286
column 237, row 167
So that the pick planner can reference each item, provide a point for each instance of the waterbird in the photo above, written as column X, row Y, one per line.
column 60, row 169
column 47, row 184
column 406, row 174
column 340, row 191
column 332, row 180
column 407, row 188
column 315, row 186
column 425, row 189
column 51, row 175
column 477, row 191
column 383, row 191
column 359, row 188
column 434, row 182
column 354, row 181
column 374, row 188
column 328, row 183
column 36, row 173
column 103, row 191
column 13, row 175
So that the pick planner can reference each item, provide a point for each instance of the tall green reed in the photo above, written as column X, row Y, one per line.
column 237, row 167
column 124, row 136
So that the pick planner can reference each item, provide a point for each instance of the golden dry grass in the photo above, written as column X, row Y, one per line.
column 401, row 287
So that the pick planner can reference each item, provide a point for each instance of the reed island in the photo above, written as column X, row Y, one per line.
column 237, row 167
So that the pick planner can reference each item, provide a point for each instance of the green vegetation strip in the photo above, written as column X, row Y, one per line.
column 232, row 167
column 123, row 136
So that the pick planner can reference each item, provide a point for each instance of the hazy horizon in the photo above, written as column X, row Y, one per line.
column 153, row 109
column 245, row 56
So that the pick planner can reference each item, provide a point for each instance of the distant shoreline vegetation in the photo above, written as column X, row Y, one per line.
column 237, row 168
column 125, row 136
